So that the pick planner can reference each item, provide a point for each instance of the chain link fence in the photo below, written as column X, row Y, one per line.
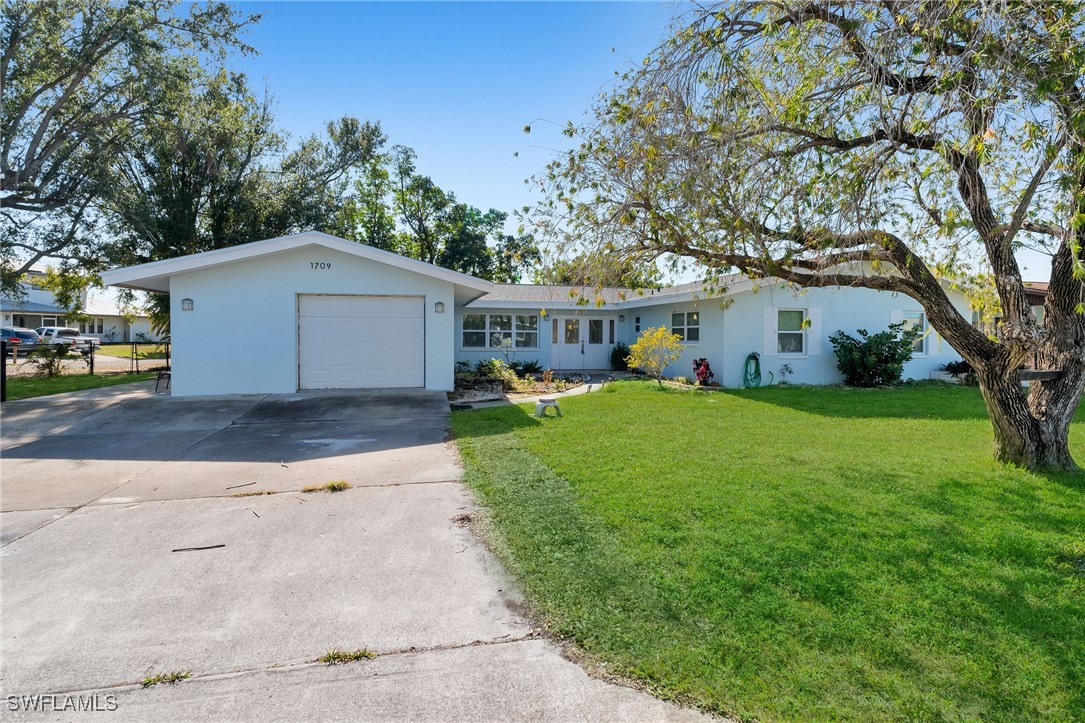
column 109, row 358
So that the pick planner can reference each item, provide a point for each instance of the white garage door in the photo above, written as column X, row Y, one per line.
column 354, row 342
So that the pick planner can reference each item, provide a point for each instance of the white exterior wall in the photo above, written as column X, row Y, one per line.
column 544, row 353
column 241, row 336
column 728, row 336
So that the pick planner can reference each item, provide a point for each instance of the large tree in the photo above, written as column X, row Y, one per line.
column 77, row 79
column 891, row 145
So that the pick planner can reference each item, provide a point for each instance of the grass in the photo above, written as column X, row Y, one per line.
column 795, row 552
column 334, row 486
column 124, row 351
column 170, row 678
column 26, row 387
column 254, row 493
column 335, row 656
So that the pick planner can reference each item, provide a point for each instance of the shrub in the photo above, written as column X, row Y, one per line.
column 962, row 370
column 48, row 359
column 874, row 359
column 619, row 357
column 531, row 367
column 655, row 350
column 702, row 371
column 490, row 369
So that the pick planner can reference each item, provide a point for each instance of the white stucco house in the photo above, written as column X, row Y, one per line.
column 101, row 316
column 320, row 312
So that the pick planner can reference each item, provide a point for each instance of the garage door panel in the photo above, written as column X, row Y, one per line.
column 349, row 342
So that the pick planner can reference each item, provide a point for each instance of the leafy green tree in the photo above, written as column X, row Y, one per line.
column 514, row 257
column 584, row 270
column 655, row 350
column 77, row 79
column 424, row 209
column 367, row 215
column 884, row 145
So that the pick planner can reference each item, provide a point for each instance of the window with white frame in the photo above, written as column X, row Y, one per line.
column 92, row 326
column 636, row 324
column 916, row 320
column 687, row 325
column 791, row 331
column 500, row 331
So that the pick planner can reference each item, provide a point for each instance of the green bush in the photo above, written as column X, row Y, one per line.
column 48, row 359
column 619, row 357
column 874, row 360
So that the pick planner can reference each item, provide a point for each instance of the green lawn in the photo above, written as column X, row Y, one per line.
column 795, row 552
column 24, row 388
column 124, row 351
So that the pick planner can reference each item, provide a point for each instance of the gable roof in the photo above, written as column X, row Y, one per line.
column 155, row 276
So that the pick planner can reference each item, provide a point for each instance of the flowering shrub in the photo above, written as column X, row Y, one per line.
column 702, row 371
column 654, row 351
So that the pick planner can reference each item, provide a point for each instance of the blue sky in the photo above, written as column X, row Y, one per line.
column 456, row 81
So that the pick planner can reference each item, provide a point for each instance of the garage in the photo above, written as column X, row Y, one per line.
column 359, row 342
column 303, row 312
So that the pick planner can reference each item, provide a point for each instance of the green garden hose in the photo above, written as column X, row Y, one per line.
column 751, row 377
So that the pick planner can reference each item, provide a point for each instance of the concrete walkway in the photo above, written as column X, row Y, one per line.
column 127, row 552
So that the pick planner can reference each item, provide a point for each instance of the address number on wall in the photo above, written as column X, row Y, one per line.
column 321, row 265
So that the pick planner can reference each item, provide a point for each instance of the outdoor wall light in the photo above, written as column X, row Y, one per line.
column 439, row 307
column 621, row 318
column 186, row 304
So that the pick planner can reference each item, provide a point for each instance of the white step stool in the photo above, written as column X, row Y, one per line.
column 542, row 404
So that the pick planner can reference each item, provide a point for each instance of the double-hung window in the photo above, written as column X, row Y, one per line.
column 916, row 320
column 687, row 325
column 500, row 331
column 92, row 326
column 791, row 331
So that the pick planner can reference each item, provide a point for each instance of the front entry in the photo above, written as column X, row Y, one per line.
column 582, row 342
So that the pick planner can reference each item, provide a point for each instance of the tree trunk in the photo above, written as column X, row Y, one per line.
column 1032, row 429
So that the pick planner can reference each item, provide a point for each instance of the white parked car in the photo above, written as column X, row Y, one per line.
column 67, row 336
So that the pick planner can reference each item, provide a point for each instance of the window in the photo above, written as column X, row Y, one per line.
column 636, row 324
column 595, row 331
column 92, row 326
column 790, row 334
column 496, row 331
column 612, row 331
column 687, row 325
column 917, row 320
column 48, row 321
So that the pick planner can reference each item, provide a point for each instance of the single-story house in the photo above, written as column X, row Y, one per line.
column 102, row 316
column 312, row 311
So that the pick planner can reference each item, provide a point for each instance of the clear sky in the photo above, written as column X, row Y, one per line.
column 456, row 81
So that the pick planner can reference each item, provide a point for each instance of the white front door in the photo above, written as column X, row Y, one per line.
column 582, row 342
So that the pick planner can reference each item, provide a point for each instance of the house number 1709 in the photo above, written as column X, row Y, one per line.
column 322, row 265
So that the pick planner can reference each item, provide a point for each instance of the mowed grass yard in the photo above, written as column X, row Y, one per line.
column 795, row 552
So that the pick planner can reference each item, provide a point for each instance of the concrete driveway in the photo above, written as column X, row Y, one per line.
column 134, row 544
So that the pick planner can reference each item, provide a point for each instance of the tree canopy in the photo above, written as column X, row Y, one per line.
column 888, row 145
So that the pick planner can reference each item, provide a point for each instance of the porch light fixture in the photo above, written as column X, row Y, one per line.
column 621, row 318
column 186, row 304
column 439, row 307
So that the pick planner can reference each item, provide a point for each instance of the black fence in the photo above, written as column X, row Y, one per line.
column 109, row 358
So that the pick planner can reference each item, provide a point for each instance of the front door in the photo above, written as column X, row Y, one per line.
column 582, row 342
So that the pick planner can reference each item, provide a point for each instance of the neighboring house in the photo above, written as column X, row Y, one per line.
column 103, row 317
column 322, row 312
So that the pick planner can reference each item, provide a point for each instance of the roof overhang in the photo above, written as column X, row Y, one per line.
column 155, row 276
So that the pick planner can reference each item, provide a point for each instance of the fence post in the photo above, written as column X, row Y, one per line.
column 92, row 359
column 4, row 371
